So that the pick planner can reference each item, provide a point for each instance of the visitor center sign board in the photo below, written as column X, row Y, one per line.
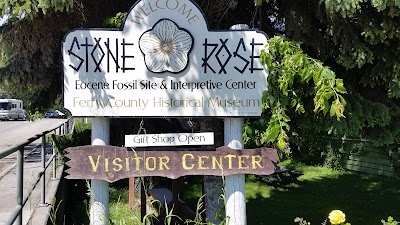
column 164, row 61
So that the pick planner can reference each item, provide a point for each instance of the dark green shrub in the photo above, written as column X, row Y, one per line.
column 79, row 137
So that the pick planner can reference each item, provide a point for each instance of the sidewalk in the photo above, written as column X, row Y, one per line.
column 8, row 184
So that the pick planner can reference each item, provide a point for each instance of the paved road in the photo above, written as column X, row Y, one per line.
column 14, row 132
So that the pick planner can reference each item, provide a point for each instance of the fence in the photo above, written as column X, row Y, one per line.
column 16, row 214
column 373, row 161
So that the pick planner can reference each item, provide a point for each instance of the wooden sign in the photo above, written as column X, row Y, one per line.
column 114, row 163
column 176, row 139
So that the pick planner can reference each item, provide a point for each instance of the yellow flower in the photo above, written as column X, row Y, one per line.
column 337, row 217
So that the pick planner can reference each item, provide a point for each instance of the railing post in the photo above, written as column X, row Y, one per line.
column 59, row 130
column 66, row 125
column 54, row 164
column 20, row 182
column 43, row 179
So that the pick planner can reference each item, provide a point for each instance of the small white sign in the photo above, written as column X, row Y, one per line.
column 173, row 139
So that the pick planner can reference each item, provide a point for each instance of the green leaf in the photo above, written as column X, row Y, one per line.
column 328, row 74
column 330, row 130
column 248, row 130
column 284, row 124
column 298, row 59
column 271, row 99
column 332, row 111
column 282, row 48
column 327, row 95
column 268, row 61
column 306, row 75
column 317, row 76
column 325, row 106
column 285, row 117
column 339, row 82
column 341, row 89
column 272, row 133
column 342, row 101
column 300, row 108
column 281, row 144
column 293, row 102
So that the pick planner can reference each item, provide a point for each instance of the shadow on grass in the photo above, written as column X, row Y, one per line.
column 364, row 199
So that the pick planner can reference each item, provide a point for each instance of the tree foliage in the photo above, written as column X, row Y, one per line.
column 360, row 41
column 293, row 76
column 30, row 44
column 31, row 9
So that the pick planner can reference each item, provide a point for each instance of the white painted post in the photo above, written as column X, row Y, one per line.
column 234, row 185
column 235, row 193
column 99, row 210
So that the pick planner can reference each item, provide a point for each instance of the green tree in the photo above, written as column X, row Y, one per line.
column 359, row 40
column 293, row 76
column 30, row 44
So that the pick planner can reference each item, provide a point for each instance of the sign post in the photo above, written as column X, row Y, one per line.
column 235, row 192
column 99, row 199
column 235, row 184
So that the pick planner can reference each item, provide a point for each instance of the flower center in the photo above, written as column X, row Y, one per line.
column 166, row 46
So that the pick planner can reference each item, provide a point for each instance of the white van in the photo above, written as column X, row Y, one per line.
column 11, row 109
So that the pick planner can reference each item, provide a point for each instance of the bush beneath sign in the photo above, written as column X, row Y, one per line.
column 80, row 136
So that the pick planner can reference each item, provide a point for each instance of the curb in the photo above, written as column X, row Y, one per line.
column 41, row 213
column 3, row 174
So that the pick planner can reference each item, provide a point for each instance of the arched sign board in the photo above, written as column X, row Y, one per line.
column 164, row 61
column 112, row 163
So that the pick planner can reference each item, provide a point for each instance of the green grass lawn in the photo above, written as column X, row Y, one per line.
column 364, row 199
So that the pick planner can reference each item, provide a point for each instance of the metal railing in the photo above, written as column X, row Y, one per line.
column 16, row 214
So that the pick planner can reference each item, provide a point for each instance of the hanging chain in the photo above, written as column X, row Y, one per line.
column 141, row 128
column 190, row 123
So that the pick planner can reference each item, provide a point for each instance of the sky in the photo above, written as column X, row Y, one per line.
column 3, row 19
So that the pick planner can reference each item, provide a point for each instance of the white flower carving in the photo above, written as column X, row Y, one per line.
column 166, row 47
